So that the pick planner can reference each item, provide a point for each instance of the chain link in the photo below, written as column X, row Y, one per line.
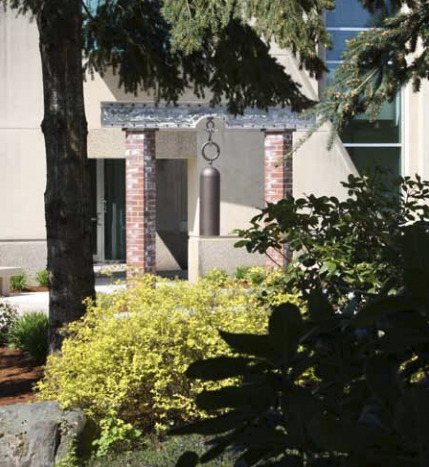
column 211, row 130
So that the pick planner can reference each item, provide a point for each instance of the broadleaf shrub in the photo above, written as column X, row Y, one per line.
column 128, row 354
column 369, row 405
column 343, row 246
column 29, row 333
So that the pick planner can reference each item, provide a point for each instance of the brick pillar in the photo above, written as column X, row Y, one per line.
column 140, row 174
column 278, row 178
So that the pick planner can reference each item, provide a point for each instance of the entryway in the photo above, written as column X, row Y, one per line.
column 108, row 212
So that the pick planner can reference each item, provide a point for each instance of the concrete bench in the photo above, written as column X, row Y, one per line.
column 5, row 273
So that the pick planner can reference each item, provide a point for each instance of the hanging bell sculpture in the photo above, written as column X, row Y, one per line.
column 210, row 187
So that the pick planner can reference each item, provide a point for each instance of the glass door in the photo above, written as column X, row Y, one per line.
column 97, row 208
column 114, row 217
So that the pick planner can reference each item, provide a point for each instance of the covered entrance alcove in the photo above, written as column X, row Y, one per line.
column 251, row 164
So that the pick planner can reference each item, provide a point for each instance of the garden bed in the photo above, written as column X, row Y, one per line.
column 17, row 377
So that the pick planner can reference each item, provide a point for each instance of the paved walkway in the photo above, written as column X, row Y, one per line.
column 39, row 301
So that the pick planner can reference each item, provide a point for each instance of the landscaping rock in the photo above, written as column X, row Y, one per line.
column 37, row 435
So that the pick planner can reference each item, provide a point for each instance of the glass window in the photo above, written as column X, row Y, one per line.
column 351, row 13
column 345, row 22
column 339, row 39
column 386, row 129
column 367, row 159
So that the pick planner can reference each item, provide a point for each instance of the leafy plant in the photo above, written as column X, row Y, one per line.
column 252, row 275
column 19, row 282
column 42, row 277
column 217, row 277
column 8, row 316
column 127, row 356
column 370, row 403
column 343, row 246
column 116, row 435
column 30, row 334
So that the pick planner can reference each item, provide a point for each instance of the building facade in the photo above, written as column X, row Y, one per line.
column 145, row 168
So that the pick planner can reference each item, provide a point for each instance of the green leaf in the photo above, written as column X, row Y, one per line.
column 319, row 306
column 380, row 308
column 254, row 396
column 333, row 434
column 212, row 426
column 218, row 368
column 382, row 378
column 188, row 459
column 285, row 329
column 249, row 344
column 412, row 421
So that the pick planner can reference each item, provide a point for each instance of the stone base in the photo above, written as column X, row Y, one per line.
column 206, row 253
column 38, row 435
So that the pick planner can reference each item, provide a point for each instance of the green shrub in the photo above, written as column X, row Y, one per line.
column 19, row 282
column 8, row 316
column 369, row 405
column 217, row 277
column 126, row 357
column 240, row 272
column 253, row 275
column 342, row 246
column 42, row 277
column 29, row 333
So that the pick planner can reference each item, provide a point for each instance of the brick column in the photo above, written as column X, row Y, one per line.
column 140, row 174
column 278, row 177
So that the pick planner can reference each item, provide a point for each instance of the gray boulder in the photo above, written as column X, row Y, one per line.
column 37, row 435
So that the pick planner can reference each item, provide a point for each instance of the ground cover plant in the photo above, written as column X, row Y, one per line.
column 29, row 333
column 369, row 403
column 42, row 277
column 123, row 363
column 19, row 282
column 349, row 246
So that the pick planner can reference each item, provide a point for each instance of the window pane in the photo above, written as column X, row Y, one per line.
column 367, row 160
column 350, row 13
column 339, row 39
column 386, row 129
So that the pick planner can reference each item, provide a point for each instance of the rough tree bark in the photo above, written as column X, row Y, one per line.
column 71, row 276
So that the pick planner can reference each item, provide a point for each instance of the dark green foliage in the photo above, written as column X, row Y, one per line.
column 30, row 334
column 344, row 246
column 378, row 63
column 230, row 60
column 167, row 47
column 368, row 402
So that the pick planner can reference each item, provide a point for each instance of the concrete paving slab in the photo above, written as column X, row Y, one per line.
column 39, row 301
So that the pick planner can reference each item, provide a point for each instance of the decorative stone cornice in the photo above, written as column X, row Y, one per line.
column 141, row 115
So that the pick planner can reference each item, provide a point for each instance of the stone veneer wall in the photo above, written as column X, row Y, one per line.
column 278, row 180
column 140, row 176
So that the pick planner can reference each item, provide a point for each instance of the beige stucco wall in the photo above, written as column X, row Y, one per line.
column 22, row 161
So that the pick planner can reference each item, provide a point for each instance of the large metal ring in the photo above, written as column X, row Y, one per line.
column 204, row 148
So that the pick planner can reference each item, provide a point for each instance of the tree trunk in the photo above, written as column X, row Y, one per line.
column 71, row 275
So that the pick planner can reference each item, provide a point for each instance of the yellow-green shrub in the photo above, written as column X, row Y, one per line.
column 127, row 356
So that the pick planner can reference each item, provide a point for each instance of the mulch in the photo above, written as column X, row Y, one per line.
column 17, row 377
